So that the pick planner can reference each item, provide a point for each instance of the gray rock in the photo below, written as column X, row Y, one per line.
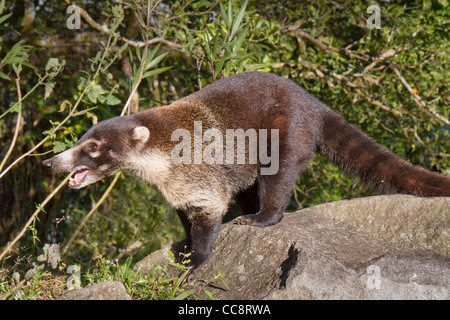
column 108, row 290
column 51, row 255
column 403, row 220
column 309, row 255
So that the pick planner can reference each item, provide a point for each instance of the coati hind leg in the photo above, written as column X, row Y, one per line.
column 274, row 193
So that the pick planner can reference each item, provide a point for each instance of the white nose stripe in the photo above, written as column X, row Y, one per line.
column 66, row 156
column 95, row 154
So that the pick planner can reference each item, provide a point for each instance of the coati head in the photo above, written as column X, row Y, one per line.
column 102, row 151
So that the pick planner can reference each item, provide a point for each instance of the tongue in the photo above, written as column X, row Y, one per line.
column 80, row 175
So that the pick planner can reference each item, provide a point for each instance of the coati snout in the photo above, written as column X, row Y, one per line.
column 97, row 154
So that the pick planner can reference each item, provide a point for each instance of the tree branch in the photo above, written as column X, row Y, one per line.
column 327, row 48
column 124, row 110
column 104, row 29
column 19, row 120
column 417, row 99
column 33, row 216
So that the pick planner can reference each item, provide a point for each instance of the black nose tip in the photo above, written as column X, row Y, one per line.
column 48, row 163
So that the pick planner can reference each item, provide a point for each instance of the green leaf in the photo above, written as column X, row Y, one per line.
column 150, row 56
column 17, row 67
column 112, row 100
column 224, row 14
column 156, row 71
column 214, row 50
column 209, row 294
column 52, row 63
column 136, row 75
column 155, row 61
column 48, row 89
column 219, row 65
column 50, row 133
column 238, row 20
column 201, row 3
column 58, row 146
column 240, row 40
column 95, row 92
column 15, row 107
column 138, row 53
column 4, row 76
column 29, row 65
column 230, row 14
column 191, row 43
column 3, row 18
column 130, row 55
column 185, row 294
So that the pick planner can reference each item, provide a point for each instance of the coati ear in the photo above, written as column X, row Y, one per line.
column 141, row 133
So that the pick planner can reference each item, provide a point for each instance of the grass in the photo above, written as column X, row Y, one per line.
column 32, row 277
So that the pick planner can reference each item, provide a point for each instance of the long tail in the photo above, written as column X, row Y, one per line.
column 356, row 153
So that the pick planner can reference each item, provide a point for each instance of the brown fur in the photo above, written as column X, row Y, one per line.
column 201, row 192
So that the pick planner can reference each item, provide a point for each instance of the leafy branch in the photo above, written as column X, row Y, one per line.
column 89, row 87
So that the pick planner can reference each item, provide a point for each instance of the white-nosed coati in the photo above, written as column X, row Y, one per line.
column 144, row 144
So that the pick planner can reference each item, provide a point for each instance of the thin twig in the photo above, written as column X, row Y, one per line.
column 327, row 48
column 50, row 196
column 71, row 113
column 19, row 120
column 94, row 208
column 46, row 138
column 124, row 110
column 387, row 54
column 143, row 62
column 30, row 221
column 14, row 290
column 104, row 29
column 418, row 100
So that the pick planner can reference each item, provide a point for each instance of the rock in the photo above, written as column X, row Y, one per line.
column 309, row 255
column 108, row 290
column 160, row 257
column 403, row 220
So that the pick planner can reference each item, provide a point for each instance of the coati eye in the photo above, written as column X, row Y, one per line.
column 92, row 147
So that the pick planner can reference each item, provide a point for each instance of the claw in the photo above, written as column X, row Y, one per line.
column 239, row 221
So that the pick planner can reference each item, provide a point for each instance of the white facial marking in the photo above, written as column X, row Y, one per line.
column 103, row 167
column 95, row 154
column 66, row 156
column 141, row 133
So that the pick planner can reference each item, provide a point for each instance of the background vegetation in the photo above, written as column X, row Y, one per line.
column 56, row 82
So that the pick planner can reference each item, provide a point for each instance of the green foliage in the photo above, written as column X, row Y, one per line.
column 224, row 44
column 47, row 277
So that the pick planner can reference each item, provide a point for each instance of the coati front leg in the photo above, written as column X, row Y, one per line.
column 187, row 243
column 201, row 229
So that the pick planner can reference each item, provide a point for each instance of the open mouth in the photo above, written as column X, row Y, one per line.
column 79, row 177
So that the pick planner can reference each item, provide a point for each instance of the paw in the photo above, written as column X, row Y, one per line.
column 258, row 220
column 240, row 220
column 249, row 220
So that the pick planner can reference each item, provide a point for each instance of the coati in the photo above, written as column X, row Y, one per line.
column 143, row 143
